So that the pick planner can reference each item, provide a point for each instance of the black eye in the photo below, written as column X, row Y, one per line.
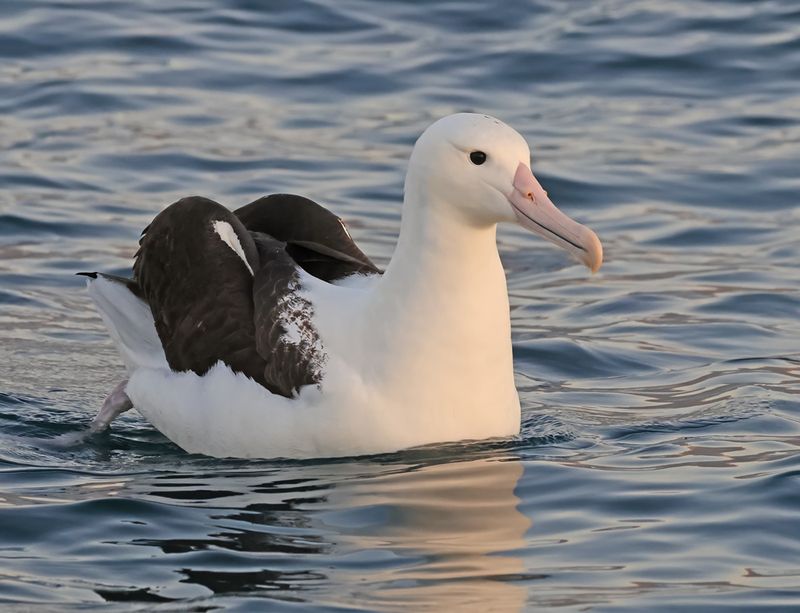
column 477, row 157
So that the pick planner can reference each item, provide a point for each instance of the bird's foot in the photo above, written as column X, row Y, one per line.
column 116, row 403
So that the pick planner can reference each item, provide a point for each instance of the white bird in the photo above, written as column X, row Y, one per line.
column 266, row 332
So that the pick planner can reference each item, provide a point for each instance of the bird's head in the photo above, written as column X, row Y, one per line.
column 480, row 168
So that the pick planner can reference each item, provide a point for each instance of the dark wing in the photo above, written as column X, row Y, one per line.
column 209, row 306
column 283, row 328
column 315, row 238
column 226, row 286
column 199, row 289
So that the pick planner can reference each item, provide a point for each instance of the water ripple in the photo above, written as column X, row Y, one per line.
column 657, row 465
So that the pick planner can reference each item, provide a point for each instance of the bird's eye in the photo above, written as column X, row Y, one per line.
column 477, row 157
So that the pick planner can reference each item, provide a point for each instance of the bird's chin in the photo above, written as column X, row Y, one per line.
column 536, row 212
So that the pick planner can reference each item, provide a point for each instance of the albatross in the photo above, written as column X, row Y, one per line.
column 266, row 332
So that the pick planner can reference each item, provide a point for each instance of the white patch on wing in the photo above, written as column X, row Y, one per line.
column 294, row 314
column 228, row 236
column 346, row 231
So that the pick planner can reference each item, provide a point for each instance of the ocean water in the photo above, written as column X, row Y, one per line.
column 658, row 466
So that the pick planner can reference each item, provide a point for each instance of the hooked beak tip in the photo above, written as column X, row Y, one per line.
column 594, row 252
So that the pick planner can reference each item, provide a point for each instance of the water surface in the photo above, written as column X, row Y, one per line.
column 659, row 461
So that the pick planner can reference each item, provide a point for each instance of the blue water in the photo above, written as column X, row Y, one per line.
column 659, row 462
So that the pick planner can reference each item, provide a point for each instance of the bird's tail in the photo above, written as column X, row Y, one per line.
column 128, row 319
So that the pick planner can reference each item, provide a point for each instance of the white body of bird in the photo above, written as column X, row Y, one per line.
column 419, row 355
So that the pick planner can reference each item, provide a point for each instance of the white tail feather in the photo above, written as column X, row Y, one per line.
column 129, row 322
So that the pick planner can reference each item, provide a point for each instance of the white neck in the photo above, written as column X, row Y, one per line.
column 424, row 354
column 440, row 311
column 439, row 255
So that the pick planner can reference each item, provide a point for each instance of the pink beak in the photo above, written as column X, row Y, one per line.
column 537, row 213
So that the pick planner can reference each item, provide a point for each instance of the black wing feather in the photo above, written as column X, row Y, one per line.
column 315, row 238
column 208, row 307
column 199, row 290
column 292, row 362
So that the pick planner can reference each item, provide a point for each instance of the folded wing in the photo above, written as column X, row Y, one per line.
column 226, row 286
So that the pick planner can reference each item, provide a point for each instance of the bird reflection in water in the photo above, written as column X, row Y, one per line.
column 444, row 534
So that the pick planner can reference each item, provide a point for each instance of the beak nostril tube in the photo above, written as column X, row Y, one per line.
column 536, row 212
